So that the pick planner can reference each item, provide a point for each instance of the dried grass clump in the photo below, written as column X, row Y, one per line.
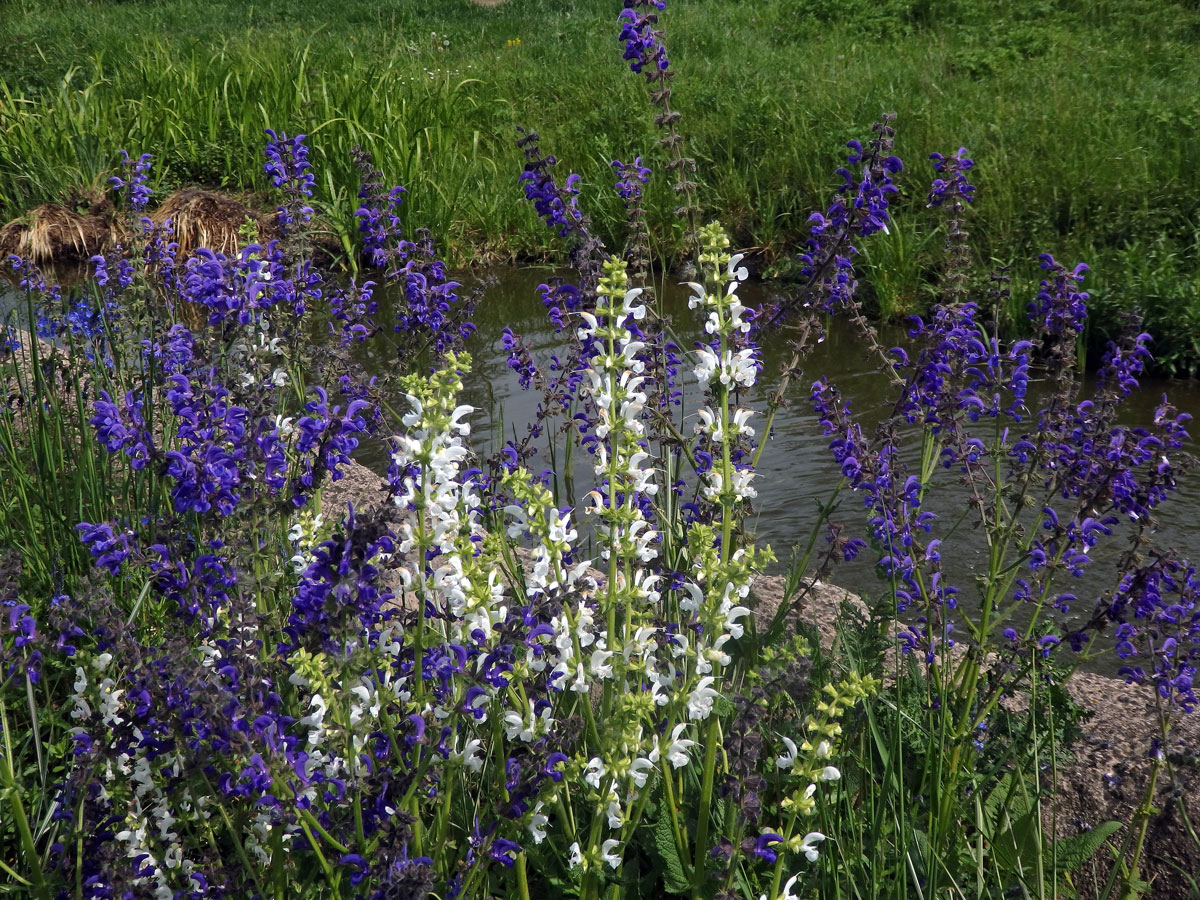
column 53, row 232
column 86, row 225
column 202, row 218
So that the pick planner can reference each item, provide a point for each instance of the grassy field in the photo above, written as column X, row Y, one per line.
column 1082, row 116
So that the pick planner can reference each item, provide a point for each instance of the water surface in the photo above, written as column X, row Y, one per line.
column 797, row 472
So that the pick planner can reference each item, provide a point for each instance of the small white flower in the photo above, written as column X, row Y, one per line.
column 516, row 727
column 787, row 890
column 736, row 629
column 462, row 428
column 316, row 718
column 788, row 759
column 537, row 824
column 741, row 369
column 470, row 755
column 695, row 597
column 575, row 856
column 740, row 418
column 706, row 365
column 608, row 853
column 599, row 664
column 808, row 846
column 741, row 484
column 700, row 702
column 677, row 752
column 594, row 772
column 830, row 773
column 580, row 684
column 639, row 770
column 615, row 819
column 627, row 306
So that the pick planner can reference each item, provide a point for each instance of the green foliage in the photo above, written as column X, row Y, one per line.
column 897, row 267
column 917, row 818
column 674, row 875
column 1162, row 280
column 1076, row 851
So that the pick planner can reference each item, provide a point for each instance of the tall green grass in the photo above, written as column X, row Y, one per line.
column 1080, row 114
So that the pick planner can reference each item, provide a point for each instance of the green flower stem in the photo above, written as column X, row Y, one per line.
column 14, row 794
column 1129, row 872
column 591, row 887
column 12, row 873
column 679, row 833
column 330, row 877
column 711, row 735
column 422, row 590
column 307, row 816
column 631, row 824
column 359, row 831
column 777, row 871
column 79, row 849
column 469, row 883
column 522, row 877
column 441, row 825
column 234, row 835
column 279, row 871
column 613, row 537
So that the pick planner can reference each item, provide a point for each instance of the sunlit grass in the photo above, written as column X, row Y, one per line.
column 1080, row 115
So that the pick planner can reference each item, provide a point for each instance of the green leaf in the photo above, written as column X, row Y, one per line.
column 1013, row 826
column 675, row 880
column 1070, row 853
column 723, row 708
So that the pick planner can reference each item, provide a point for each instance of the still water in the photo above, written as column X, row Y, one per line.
column 797, row 472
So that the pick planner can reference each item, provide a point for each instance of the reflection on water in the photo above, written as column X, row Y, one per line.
column 797, row 472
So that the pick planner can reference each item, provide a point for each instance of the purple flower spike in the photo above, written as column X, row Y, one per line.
column 133, row 180
column 289, row 170
column 109, row 550
column 860, row 208
column 519, row 359
column 952, row 185
column 557, row 207
column 632, row 177
column 644, row 50
column 1060, row 307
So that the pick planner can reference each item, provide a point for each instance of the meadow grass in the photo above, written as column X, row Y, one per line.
column 1081, row 116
